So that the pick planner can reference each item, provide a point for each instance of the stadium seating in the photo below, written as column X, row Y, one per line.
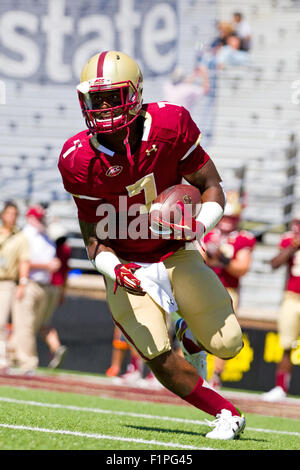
column 256, row 123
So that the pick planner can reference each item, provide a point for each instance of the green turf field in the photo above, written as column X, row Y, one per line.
column 43, row 420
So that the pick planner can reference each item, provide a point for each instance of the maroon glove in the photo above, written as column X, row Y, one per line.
column 188, row 228
column 125, row 278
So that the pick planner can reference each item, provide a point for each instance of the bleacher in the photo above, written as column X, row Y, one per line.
column 256, row 127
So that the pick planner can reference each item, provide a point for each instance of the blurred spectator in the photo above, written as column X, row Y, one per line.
column 224, row 54
column 182, row 89
column 243, row 31
column 228, row 251
column 119, row 351
column 34, row 306
column 225, row 29
column 231, row 54
column 14, row 271
column 289, row 315
column 48, row 333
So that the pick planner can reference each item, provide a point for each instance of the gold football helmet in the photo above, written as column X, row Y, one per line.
column 110, row 91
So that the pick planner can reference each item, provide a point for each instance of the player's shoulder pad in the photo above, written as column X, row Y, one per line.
column 247, row 238
column 246, row 234
column 286, row 239
column 171, row 115
column 75, row 142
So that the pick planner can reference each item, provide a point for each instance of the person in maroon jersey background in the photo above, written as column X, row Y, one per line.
column 115, row 170
column 289, row 315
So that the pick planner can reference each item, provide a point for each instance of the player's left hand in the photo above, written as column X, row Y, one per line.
column 187, row 229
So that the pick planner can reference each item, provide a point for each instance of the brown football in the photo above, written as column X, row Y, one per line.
column 164, row 206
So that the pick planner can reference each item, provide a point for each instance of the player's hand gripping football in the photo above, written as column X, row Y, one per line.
column 125, row 278
column 187, row 229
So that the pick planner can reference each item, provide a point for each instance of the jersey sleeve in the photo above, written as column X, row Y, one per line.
column 87, row 209
column 246, row 240
column 68, row 164
column 191, row 156
column 73, row 166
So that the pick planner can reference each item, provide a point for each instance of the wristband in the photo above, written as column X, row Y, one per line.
column 105, row 262
column 210, row 214
column 23, row 281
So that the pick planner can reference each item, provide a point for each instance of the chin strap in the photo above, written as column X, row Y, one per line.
column 128, row 150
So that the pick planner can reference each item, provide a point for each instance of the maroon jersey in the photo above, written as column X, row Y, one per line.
column 293, row 274
column 96, row 176
column 229, row 245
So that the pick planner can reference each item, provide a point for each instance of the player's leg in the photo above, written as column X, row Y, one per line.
column 144, row 325
column 204, row 304
column 289, row 330
column 141, row 321
column 219, row 364
column 190, row 348
column 181, row 378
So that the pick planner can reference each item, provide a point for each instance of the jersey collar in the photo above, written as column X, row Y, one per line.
column 100, row 147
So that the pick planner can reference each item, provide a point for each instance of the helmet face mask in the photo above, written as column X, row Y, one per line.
column 113, row 100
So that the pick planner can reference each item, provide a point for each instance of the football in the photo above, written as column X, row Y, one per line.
column 165, row 205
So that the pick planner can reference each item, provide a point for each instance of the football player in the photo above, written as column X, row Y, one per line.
column 129, row 154
column 289, row 315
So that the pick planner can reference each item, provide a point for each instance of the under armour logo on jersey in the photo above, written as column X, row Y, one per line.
column 152, row 149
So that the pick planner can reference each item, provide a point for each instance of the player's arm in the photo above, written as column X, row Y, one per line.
column 239, row 266
column 107, row 262
column 209, row 183
column 208, row 180
column 285, row 254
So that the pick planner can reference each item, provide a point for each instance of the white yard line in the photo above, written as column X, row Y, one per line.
column 103, row 437
column 133, row 415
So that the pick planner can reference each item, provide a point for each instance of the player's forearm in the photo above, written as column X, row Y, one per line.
column 239, row 266
column 283, row 257
column 236, row 269
column 209, row 183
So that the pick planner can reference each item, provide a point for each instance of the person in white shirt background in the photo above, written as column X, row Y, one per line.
column 242, row 30
column 36, row 302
